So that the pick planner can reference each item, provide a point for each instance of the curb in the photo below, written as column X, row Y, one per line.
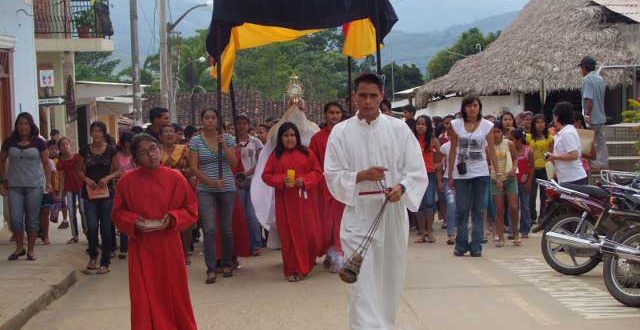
column 54, row 292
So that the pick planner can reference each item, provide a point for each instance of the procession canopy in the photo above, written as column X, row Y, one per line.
column 243, row 24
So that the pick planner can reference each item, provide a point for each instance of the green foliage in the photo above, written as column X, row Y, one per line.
column 317, row 59
column 95, row 66
column 126, row 76
column 467, row 44
column 632, row 116
column 404, row 77
column 84, row 17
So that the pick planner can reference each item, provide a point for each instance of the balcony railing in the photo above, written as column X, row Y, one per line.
column 72, row 19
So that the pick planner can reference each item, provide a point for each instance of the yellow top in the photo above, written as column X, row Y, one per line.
column 505, row 162
column 175, row 160
column 539, row 147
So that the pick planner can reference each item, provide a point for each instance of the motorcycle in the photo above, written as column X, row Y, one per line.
column 622, row 255
column 576, row 216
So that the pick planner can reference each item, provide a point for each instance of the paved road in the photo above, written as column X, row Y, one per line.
column 508, row 288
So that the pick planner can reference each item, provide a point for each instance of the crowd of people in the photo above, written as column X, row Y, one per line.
column 168, row 187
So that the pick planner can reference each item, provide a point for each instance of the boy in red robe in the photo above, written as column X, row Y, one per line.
column 152, row 205
column 294, row 172
column 330, row 209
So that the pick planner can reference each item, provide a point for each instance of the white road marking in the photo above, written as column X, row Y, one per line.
column 572, row 292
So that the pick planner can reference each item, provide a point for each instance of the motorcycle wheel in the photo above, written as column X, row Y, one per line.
column 561, row 258
column 622, row 276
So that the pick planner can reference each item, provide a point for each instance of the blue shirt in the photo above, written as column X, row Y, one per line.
column 208, row 163
column 593, row 87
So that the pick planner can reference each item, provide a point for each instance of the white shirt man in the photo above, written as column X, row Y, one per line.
column 364, row 153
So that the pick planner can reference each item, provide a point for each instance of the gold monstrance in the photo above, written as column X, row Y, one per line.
column 295, row 89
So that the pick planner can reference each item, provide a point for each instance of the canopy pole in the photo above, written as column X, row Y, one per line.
column 234, row 113
column 378, row 57
column 349, row 85
column 219, row 98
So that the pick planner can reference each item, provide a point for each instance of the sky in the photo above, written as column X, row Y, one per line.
column 430, row 15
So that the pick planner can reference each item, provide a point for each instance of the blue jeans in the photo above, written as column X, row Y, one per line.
column 451, row 209
column 470, row 197
column 24, row 206
column 525, row 213
column 210, row 205
column 72, row 200
column 255, row 229
column 98, row 214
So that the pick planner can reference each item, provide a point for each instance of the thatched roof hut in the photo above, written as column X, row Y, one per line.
column 541, row 49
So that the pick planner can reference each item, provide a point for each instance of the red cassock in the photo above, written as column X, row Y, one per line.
column 296, row 216
column 158, row 281
column 330, row 209
column 240, row 228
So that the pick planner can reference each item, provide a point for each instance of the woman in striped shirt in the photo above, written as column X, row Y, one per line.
column 216, row 193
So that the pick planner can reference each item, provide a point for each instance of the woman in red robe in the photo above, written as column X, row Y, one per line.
column 294, row 172
column 152, row 205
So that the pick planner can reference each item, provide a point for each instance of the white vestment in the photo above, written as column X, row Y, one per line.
column 262, row 195
column 354, row 145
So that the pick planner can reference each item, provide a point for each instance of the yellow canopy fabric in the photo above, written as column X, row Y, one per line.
column 360, row 41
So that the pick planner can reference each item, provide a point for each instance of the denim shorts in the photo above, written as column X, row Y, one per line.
column 429, row 198
column 47, row 201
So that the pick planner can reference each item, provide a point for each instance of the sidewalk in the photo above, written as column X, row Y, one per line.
column 27, row 287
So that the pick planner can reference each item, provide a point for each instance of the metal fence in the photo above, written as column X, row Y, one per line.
column 72, row 19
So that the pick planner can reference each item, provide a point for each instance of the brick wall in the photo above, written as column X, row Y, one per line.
column 249, row 102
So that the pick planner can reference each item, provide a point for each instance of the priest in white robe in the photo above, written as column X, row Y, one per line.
column 365, row 154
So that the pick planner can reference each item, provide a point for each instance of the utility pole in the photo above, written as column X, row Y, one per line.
column 164, row 56
column 135, row 61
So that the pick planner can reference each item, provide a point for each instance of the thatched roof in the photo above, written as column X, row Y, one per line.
column 545, row 43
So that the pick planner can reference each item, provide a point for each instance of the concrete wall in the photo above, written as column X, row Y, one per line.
column 16, row 20
column 490, row 105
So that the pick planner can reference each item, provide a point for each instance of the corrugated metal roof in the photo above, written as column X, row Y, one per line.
column 628, row 8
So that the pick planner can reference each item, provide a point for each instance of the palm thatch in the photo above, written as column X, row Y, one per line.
column 540, row 51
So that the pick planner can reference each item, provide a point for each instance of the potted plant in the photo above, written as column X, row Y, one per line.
column 84, row 21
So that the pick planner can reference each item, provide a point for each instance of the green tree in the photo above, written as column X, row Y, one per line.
column 470, row 42
column 95, row 66
column 126, row 76
column 404, row 77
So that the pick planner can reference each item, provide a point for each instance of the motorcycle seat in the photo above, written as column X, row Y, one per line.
column 592, row 191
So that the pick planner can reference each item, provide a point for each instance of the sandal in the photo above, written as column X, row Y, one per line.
column 500, row 243
column 517, row 242
column 431, row 239
column 92, row 265
column 227, row 272
column 294, row 278
column 451, row 241
column 211, row 278
column 31, row 257
column 420, row 239
column 14, row 256
column 103, row 270
column 72, row 241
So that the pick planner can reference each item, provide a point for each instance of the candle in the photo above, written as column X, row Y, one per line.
column 291, row 174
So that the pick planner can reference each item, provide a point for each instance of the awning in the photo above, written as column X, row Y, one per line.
column 627, row 8
column 254, row 23
column 114, row 105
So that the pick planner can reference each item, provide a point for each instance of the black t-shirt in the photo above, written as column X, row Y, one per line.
column 150, row 131
column 97, row 166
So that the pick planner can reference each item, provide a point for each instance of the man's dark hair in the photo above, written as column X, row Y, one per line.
column 370, row 78
column 387, row 103
column 52, row 143
column 177, row 127
column 156, row 113
column 190, row 131
column 409, row 108
column 588, row 63
column 564, row 113
column 265, row 126
column 137, row 139
column 54, row 131
column 137, row 130
column 332, row 104
column 469, row 99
